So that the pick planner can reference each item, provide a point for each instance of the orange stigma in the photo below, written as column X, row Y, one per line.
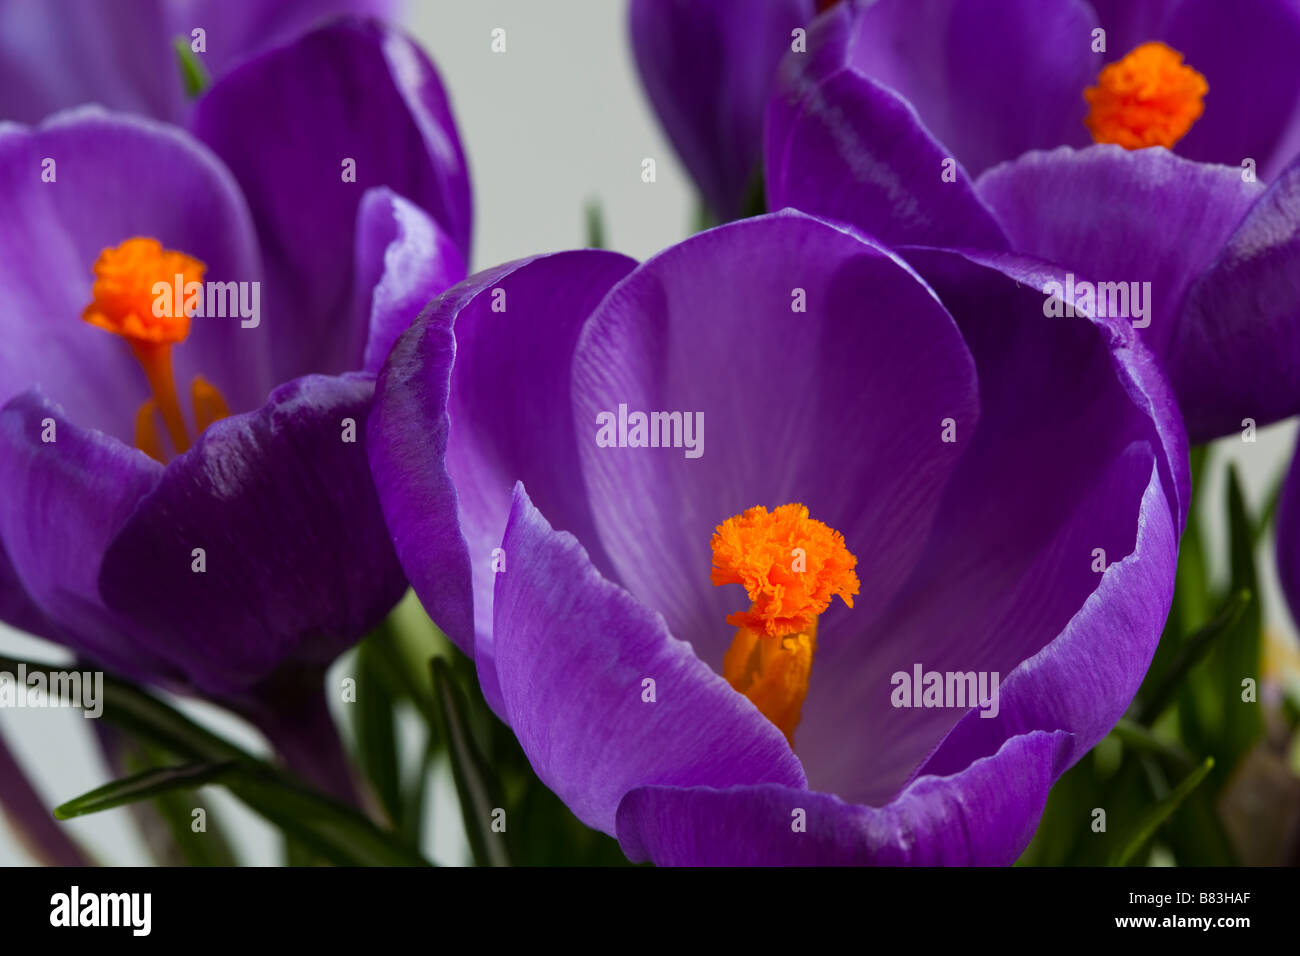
column 137, row 285
column 1149, row 98
column 791, row 567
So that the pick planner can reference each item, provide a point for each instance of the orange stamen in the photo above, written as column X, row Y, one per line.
column 1149, row 98
column 134, row 296
column 147, row 437
column 791, row 567
column 209, row 404
column 156, row 360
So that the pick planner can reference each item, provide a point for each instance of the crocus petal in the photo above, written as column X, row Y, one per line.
column 716, row 327
column 236, row 31
column 989, row 80
column 1129, row 25
column 65, row 499
column 983, row 815
column 1085, row 679
column 1055, row 470
column 113, row 177
column 447, row 445
column 1236, row 348
column 1246, row 52
column 16, row 608
column 58, row 55
column 1139, row 373
column 404, row 260
column 1113, row 215
column 708, row 67
column 844, row 147
column 574, row 653
column 349, row 93
column 285, row 487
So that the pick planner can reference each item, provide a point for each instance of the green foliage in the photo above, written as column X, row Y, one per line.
column 1160, row 775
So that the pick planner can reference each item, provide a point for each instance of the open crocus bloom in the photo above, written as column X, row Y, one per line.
column 1202, row 259
column 688, row 512
column 187, row 498
column 1216, row 82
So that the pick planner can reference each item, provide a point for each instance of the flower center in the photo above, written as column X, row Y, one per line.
column 791, row 567
column 140, row 293
column 1149, row 98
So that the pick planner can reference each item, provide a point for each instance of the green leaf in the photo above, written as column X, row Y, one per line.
column 595, row 219
column 375, row 727
column 1189, row 653
column 333, row 830
column 755, row 203
column 476, row 784
column 175, row 811
column 413, row 797
column 1212, row 717
column 1192, row 603
column 1134, row 838
column 1240, row 655
column 142, row 786
column 1268, row 510
column 193, row 73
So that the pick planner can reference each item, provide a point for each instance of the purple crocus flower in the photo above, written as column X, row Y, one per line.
column 57, row 54
column 559, row 443
column 324, row 198
column 1201, row 258
column 708, row 67
column 1216, row 82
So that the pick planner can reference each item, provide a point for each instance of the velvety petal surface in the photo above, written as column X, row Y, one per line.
column 114, row 177
column 839, row 407
column 287, row 123
column 65, row 500
column 1057, row 468
column 16, row 608
column 1114, row 215
column 574, row 653
column 989, row 80
column 845, row 147
column 982, row 816
column 1085, row 679
column 449, row 441
column 708, row 67
column 120, row 54
column 1235, row 352
column 297, row 563
column 404, row 260
column 1246, row 51
column 1128, row 24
